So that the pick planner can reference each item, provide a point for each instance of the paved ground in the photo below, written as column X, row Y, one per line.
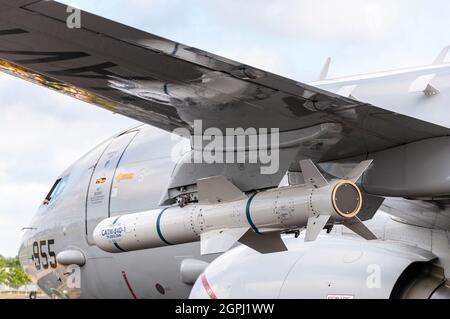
column 20, row 296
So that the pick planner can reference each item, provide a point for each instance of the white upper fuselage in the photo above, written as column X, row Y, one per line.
column 391, row 90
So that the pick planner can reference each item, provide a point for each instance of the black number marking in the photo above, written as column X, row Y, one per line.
column 52, row 253
column 36, row 257
column 43, row 254
column 40, row 254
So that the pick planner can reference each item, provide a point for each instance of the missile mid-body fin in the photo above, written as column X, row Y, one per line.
column 217, row 189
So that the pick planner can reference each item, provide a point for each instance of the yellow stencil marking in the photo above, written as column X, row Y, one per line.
column 124, row 177
column 100, row 180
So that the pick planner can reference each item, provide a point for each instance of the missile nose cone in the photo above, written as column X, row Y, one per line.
column 107, row 233
column 347, row 199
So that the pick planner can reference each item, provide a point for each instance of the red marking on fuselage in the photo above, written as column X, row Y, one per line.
column 125, row 278
column 207, row 287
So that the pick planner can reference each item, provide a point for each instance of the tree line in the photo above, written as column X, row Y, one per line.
column 11, row 273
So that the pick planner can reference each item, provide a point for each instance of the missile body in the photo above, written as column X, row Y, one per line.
column 219, row 225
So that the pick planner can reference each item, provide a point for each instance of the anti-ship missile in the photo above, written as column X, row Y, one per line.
column 225, row 215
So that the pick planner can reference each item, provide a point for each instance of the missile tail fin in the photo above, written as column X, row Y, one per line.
column 263, row 243
column 370, row 206
column 217, row 189
column 357, row 226
column 357, row 172
column 315, row 225
column 221, row 240
column 312, row 175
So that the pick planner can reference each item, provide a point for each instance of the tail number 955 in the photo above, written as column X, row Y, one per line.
column 43, row 255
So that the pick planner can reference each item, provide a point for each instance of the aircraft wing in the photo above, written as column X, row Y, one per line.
column 169, row 85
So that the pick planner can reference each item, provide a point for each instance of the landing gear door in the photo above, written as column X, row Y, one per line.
column 99, row 191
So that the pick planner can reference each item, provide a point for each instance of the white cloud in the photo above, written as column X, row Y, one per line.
column 3, row 173
column 19, row 200
column 310, row 18
column 16, row 196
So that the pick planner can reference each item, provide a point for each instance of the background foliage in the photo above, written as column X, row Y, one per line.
column 11, row 273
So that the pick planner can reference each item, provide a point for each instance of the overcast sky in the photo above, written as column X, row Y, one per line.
column 43, row 132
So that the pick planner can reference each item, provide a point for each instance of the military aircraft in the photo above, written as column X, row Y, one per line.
column 353, row 204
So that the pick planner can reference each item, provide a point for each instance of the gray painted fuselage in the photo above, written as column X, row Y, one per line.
column 69, row 219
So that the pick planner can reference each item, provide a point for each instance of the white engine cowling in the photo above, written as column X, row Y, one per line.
column 329, row 268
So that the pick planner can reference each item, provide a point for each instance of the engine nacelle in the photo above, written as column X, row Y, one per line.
column 329, row 268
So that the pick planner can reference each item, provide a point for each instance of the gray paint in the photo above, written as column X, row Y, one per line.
column 237, row 95
column 336, row 265
column 64, row 221
column 147, row 165
column 317, row 270
column 419, row 169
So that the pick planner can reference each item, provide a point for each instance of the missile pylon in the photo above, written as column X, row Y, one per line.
column 225, row 215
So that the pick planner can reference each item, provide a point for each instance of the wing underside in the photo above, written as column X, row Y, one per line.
column 169, row 85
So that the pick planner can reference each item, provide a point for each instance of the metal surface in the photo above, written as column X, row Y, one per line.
column 191, row 269
column 346, row 199
column 169, row 85
column 217, row 219
column 139, row 167
column 396, row 117
column 330, row 266
column 100, row 187
column 63, row 220
column 247, row 176
column 71, row 257
column 419, row 169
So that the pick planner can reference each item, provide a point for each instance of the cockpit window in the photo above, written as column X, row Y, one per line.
column 56, row 190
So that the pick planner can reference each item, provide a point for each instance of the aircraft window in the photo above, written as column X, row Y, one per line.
column 56, row 190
